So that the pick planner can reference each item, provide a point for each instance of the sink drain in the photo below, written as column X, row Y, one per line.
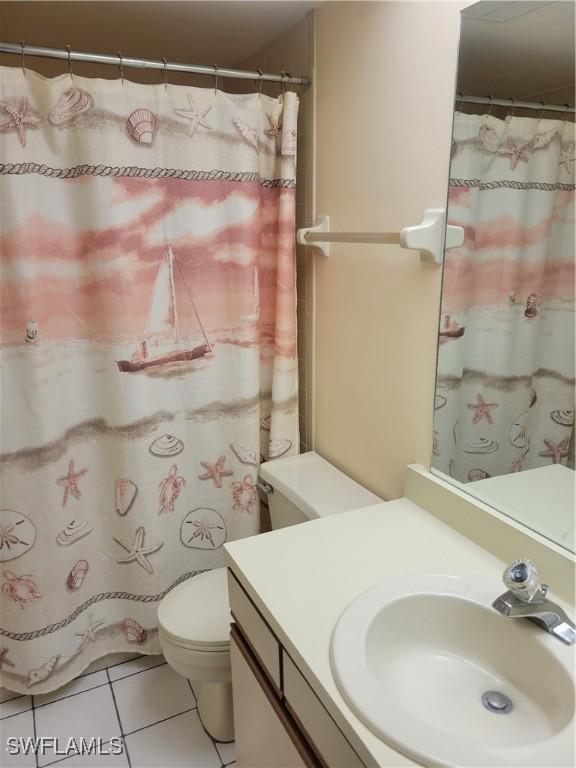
column 497, row 702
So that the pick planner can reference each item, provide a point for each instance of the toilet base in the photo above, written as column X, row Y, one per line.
column 215, row 709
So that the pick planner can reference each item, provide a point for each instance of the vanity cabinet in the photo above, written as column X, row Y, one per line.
column 279, row 720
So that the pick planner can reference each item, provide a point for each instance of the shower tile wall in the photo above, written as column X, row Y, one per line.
column 294, row 52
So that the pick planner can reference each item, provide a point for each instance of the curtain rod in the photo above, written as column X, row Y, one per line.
column 127, row 61
column 540, row 105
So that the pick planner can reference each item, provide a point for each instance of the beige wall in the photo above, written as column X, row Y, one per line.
column 384, row 89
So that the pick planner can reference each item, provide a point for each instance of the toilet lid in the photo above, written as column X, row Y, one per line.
column 196, row 614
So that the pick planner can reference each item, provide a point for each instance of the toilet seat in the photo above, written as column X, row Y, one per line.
column 196, row 646
column 195, row 615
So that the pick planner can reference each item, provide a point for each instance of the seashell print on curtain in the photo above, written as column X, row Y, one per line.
column 148, row 352
column 505, row 380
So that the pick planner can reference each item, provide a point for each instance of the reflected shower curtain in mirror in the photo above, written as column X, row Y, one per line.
column 505, row 385
column 148, row 351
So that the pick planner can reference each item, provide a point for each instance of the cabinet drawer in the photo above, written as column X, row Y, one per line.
column 323, row 733
column 255, row 630
column 266, row 735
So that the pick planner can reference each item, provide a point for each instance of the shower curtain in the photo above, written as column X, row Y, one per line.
column 148, row 351
column 505, row 385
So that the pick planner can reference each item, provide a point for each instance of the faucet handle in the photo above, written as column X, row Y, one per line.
column 521, row 578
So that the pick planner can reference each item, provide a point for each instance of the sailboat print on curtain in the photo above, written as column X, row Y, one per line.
column 162, row 331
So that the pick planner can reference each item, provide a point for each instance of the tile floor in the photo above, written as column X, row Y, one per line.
column 140, row 700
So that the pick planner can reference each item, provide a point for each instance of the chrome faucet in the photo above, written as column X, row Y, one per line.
column 526, row 599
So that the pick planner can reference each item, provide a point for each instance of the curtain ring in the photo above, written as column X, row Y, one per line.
column 215, row 68
column 22, row 46
column 259, row 81
column 69, row 61
column 491, row 105
column 121, row 66
column 165, row 72
column 511, row 113
column 541, row 113
column 563, row 115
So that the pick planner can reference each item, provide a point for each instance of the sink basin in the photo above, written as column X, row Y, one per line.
column 431, row 668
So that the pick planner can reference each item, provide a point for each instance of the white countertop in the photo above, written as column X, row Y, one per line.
column 301, row 578
column 542, row 499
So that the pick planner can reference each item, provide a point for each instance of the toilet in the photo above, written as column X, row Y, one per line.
column 194, row 618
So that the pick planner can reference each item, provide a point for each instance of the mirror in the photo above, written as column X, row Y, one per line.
column 504, row 400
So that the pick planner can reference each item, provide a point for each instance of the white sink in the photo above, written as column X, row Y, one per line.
column 414, row 655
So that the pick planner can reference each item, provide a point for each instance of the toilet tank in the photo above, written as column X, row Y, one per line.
column 307, row 486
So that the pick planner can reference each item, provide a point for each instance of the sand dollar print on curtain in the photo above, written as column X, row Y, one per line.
column 148, row 351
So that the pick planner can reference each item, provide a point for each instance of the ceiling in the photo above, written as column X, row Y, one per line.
column 523, row 50
column 210, row 32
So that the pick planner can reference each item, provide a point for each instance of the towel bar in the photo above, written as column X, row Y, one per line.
column 426, row 237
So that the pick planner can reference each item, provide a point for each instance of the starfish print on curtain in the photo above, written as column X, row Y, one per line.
column 481, row 410
column 70, row 482
column 516, row 151
column 4, row 658
column 215, row 471
column 557, row 451
column 89, row 634
column 19, row 119
column 196, row 116
column 567, row 157
column 137, row 552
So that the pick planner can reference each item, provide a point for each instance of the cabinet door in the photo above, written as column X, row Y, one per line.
column 266, row 736
column 321, row 731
